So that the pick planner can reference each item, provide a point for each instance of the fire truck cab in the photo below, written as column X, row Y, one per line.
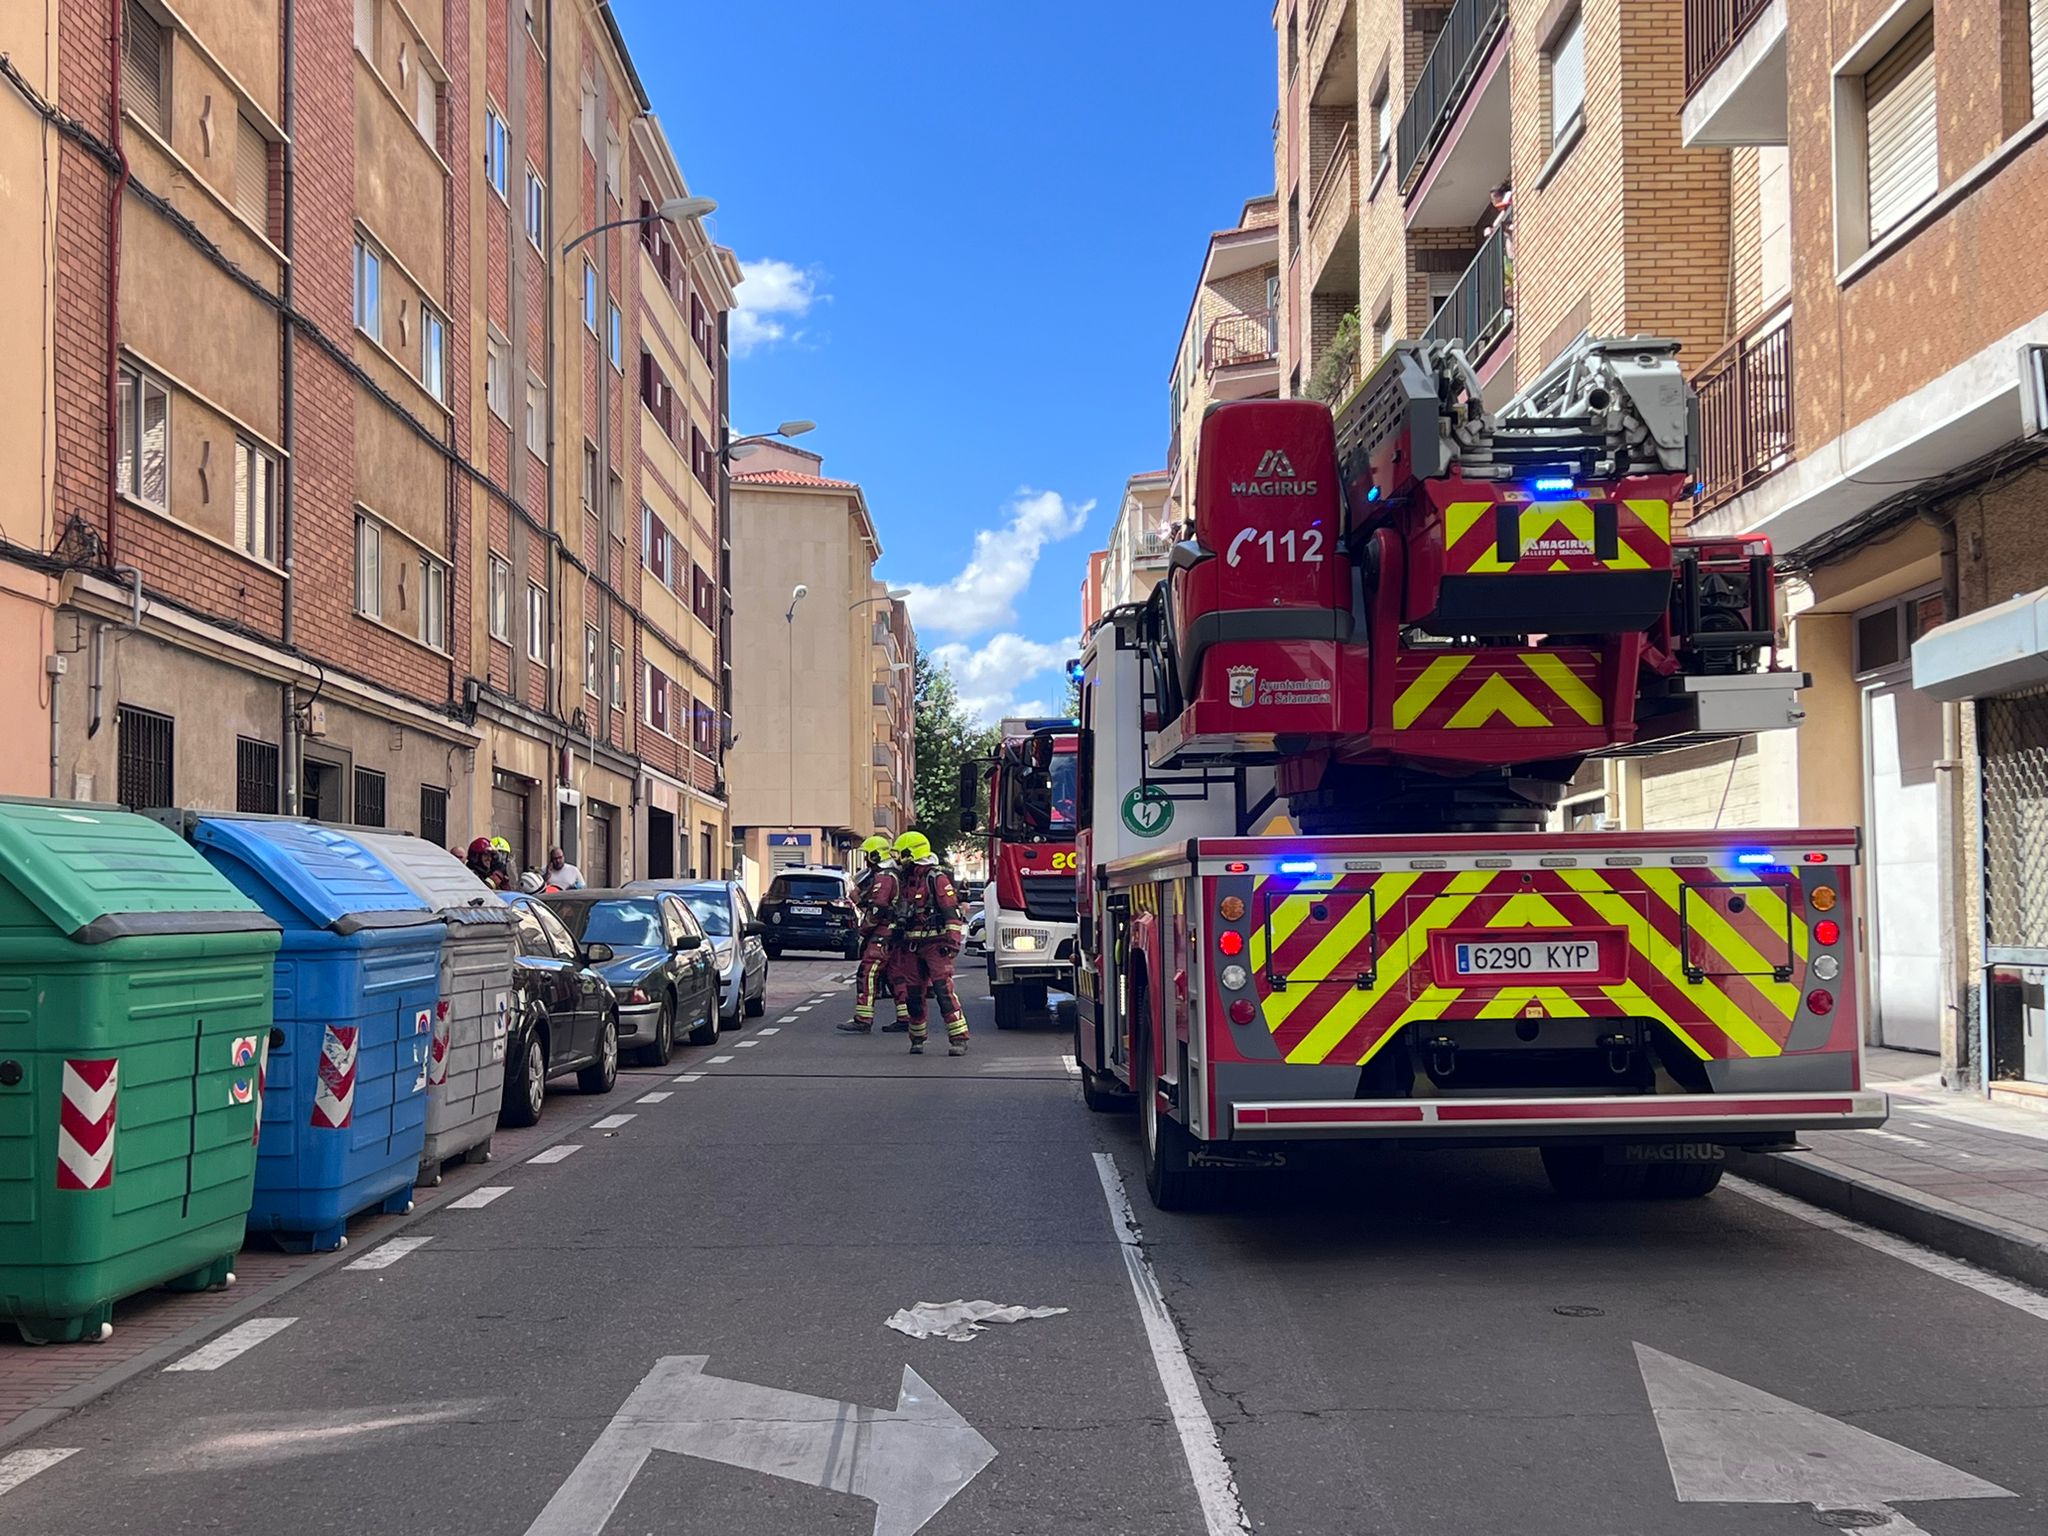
column 1029, row 901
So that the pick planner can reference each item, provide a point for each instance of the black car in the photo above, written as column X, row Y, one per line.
column 666, row 976
column 811, row 909
column 566, row 1018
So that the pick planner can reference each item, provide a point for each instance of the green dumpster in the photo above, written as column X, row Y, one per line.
column 135, row 1012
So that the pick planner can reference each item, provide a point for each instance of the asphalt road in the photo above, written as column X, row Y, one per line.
column 1438, row 1347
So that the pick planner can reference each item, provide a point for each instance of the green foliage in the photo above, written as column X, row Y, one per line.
column 1337, row 369
column 945, row 737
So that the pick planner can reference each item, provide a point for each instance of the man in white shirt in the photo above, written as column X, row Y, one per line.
column 560, row 874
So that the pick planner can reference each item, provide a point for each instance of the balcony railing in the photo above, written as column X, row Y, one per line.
column 1238, row 339
column 1745, row 393
column 1336, row 173
column 1712, row 29
column 1447, row 74
column 1479, row 311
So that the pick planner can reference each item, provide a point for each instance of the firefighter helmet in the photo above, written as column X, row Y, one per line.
column 876, row 847
column 913, row 847
column 500, row 845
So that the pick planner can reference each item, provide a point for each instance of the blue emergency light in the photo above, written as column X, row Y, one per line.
column 1297, row 866
column 1750, row 856
column 1552, row 483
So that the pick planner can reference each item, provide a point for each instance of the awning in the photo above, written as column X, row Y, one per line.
column 1999, row 650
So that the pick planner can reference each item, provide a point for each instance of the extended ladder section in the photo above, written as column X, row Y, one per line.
column 1418, row 584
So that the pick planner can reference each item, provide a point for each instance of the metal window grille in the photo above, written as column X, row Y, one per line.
column 2013, row 736
column 369, row 798
column 434, row 814
column 255, row 776
column 146, row 742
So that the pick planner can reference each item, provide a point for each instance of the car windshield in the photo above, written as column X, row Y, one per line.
column 808, row 888
column 621, row 924
column 713, row 911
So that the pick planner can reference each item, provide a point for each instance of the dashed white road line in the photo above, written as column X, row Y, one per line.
column 787, row 1018
column 654, row 1098
column 555, row 1154
column 238, row 1340
column 746, row 1045
column 1911, row 1141
column 477, row 1199
column 17, row 1467
column 688, row 1077
column 805, row 1007
column 609, row 1122
column 770, row 1030
column 388, row 1254
column 718, row 1060
column 1222, row 1512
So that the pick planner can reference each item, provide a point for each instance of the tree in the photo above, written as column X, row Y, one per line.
column 946, row 736
column 1072, row 708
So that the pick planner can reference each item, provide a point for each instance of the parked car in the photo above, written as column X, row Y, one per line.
column 661, row 967
column 727, row 918
column 565, row 1016
column 977, row 930
column 811, row 909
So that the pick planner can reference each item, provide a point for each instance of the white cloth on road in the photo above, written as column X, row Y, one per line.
column 960, row 1320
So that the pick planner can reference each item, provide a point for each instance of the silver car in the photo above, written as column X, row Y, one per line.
column 727, row 918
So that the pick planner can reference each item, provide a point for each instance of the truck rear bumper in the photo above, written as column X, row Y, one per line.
column 1694, row 1116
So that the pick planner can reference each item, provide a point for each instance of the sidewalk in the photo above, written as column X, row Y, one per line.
column 1953, row 1171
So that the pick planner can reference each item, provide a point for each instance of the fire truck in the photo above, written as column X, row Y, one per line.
column 1029, row 902
column 1321, row 892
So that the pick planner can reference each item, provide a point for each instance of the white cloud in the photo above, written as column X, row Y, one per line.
column 989, row 678
column 772, row 296
column 984, row 594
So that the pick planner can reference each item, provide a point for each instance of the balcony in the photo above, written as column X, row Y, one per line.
column 1329, row 42
column 1333, row 213
column 1735, row 91
column 1460, row 96
column 1478, row 312
column 1241, row 356
column 1745, row 393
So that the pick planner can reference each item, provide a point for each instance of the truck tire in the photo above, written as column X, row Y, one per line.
column 1009, row 1001
column 1583, row 1173
column 1682, row 1181
column 1170, row 1178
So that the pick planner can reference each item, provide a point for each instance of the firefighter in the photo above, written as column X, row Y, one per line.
column 875, row 893
column 933, row 929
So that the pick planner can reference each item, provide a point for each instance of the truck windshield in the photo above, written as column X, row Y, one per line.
column 1040, row 802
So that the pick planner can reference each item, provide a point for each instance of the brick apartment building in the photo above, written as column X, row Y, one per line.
column 312, row 532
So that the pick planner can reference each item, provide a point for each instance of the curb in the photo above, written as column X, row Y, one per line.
column 1978, row 1237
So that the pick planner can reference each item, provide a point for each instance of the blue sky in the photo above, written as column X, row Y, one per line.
column 972, row 234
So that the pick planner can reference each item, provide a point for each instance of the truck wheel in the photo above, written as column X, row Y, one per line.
column 1032, row 995
column 1681, row 1181
column 1170, row 1180
column 1583, row 1173
column 1010, row 1010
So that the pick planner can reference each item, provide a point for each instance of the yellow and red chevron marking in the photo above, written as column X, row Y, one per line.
column 1465, row 690
column 1555, row 536
column 1325, row 1014
column 85, row 1124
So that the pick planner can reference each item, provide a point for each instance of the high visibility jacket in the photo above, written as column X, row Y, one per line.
column 930, row 907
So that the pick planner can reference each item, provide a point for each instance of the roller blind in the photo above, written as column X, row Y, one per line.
column 252, row 174
column 1898, row 97
column 2037, row 21
column 142, row 65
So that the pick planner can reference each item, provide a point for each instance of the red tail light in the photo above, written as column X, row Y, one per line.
column 1230, row 941
column 1821, row 1001
column 1241, row 1011
column 1827, row 932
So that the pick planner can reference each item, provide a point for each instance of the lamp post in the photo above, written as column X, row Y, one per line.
column 677, row 208
column 730, row 447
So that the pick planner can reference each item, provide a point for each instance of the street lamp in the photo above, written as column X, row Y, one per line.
column 740, row 447
column 797, row 594
column 893, row 595
column 681, row 209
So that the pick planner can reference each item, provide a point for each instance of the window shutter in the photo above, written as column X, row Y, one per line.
column 252, row 175
column 142, row 65
column 2037, row 21
column 1898, row 95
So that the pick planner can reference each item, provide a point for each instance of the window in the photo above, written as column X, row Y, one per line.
column 255, row 777
column 618, row 677
column 536, row 208
column 1566, row 76
column 701, row 328
column 1885, row 634
column 590, row 297
column 536, row 416
column 369, row 569
column 589, row 475
column 1382, row 127
column 590, row 116
column 657, row 699
column 497, row 379
column 366, row 29
column 145, row 466
column 501, row 600
column 255, row 500
column 615, row 508
column 703, row 461
column 1899, row 130
column 593, row 652
column 427, row 108
column 1382, row 334
column 252, row 174
column 144, row 90
column 703, row 595
column 654, row 544
column 618, row 334
column 655, row 392
column 369, row 798
column 144, row 753
column 433, row 603
column 434, row 354
column 536, row 622
column 497, row 149
column 369, row 291
column 536, row 22
column 611, row 163
column 434, row 815
column 2037, row 42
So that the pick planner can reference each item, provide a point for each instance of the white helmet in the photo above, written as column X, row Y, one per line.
column 530, row 883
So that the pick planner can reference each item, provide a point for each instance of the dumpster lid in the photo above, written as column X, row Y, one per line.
column 436, row 876
column 101, row 872
column 328, row 878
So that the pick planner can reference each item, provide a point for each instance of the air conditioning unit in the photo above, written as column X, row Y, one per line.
column 2034, row 390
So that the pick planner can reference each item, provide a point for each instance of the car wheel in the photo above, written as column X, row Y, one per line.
column 526, row 1089
column 774, row 951
column 603, row 1073
column 664, row 1046
column 757, row 1005
column 705, row 1031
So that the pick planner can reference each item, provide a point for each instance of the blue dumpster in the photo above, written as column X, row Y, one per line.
column 358, row 978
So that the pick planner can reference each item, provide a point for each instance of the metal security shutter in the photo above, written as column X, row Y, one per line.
column 434, row 814
column 1898, row 99
column 252, row 174
column 142, row 65
column 2037, row 20
column 2014, row 733
column 369, row 798
column 144, row 751
column 256, row 776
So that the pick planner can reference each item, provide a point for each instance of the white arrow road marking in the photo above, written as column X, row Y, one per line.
column 908, row 1461
column 1729, row 1443
column 17, row 1467
column 390, row 1253
column 610, row 1122
column 1222, row 1513
column 240, row 1339
column 477, row 1199
column 556, row 1154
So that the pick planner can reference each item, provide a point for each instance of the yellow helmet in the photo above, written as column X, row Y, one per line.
column 500, row 845
column 876, row 847
column 913, row 846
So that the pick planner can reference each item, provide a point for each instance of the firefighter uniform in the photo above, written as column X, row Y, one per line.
column 933, row 931
column 876, row 893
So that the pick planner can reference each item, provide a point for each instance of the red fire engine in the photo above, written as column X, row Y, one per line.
column 1029, row 902
column 1319, row 893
